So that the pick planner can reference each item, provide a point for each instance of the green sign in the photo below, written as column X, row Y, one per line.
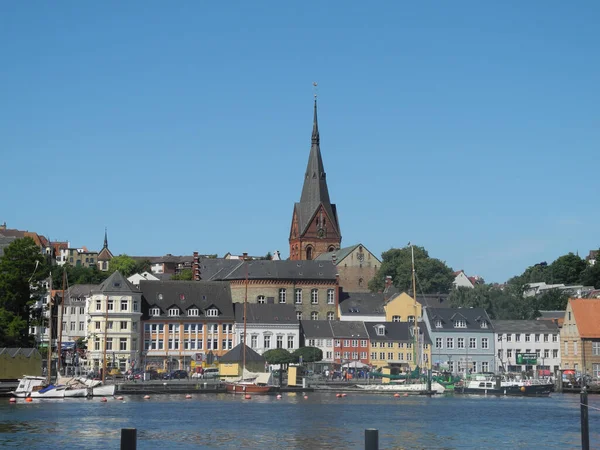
column 527, row 358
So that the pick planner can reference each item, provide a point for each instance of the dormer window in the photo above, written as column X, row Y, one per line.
column 411, row 319
column 484, row 324
column 155, row 312
column 460, row 323
column 396, row 318
column 212, row 312
column 380, row 330
column 159, row 296
column 438, row 323
column 193, row 312
column 174, row 312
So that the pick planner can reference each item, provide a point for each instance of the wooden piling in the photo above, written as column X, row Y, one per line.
column 371, row 439
column 128, row 438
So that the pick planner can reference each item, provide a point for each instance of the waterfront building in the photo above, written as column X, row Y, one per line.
column 463, row 339
column 315, row 227
column 114, row 325
column 268, row 326
column 361, row 306
column 392, row 344
column 403, row 308
column 318, row 333
column 186, row 322
column 350, row 342
column 230, row 364
column 530, row 337
column 311, row 286
column 580, row 336
column 77, row 257
column 74, row 315
column 356, row 266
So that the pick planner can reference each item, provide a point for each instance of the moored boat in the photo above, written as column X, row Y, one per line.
column 501, row 386
column 247, row 387
column 410, row 388
column 37, row 387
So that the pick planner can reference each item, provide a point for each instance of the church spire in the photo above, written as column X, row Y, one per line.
column 315, row 132
column 105, row 238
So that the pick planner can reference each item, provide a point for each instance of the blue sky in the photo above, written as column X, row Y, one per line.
column 469, row 128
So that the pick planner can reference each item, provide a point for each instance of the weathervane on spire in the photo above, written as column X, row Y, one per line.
column 315, row 88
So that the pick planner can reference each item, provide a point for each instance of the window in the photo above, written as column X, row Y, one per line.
column 390, row 345
column 279, row 341
column 380, row 330
column 569, row 315
column 314, row 296
column 134, row 326
column 314, row 315
column 110, row 325
column 97, row 344
column 227, row 344
column 330, row 315
column 500, row 337
column 97, row 325
column 373, row 355
column 517, row 337
column 173, row 312
column 81, row 310
column 409, row 356
column 98, row 305
column 485, row 366
column 282, row 295
column 124, row 305
column 555, row 353
column 254, row 341
column 472, row 342
column 500, row 354
column 566, row 350
column 596, row 370
column 354, row 343
column 290, row 342
column 298, row 315
column 330, row 296
column 227, row 328
column 212, row 312
column 363, row 355
column 411, row 319
column 546, row 353
column 395, row 318
column 135, row 306
column 527, row 338
column 485, row 343
column 438, row 323
column 508, row 337
column 450, row 343
column 261, row 300
column 123, row 324
column 337, row 355
column 546, row 338
column 596, row 348
column 72, row 326
column 155, row 312
column 555, row 338
column 460, row 342
column 575, row 347
column 484, row 324
column 81, row 326
column 109, row 344
column 537, row 338
column 267, row 341
column 363, row 343
column 72, row 310
column 382, row 344
column 538, row 353
column 298, row 296
column 111, row 306
column 438, row 343
column 123, row 344
column 460, row 323
column 382, row 355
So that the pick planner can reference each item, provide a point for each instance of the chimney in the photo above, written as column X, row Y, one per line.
column 196, row 267
column 244, row 256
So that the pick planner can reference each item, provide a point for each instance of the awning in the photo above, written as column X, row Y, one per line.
column 67, row 345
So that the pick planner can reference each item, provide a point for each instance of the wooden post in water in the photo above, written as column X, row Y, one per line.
column 585, row 426
column 128, row 439
column 371, row 439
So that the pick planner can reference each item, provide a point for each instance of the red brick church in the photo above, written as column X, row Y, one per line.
column 315, row 226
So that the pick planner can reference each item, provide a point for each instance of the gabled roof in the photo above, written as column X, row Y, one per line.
column 342, row 253
column 473, row 317
column 116, row 283
column 272, row 314
column 361, row 303
column 184, row 294
column 278, row 270
column 105, row 255
column 317, row 328
column 235, row 355
column 549, row 315
column 586, row 312
column 396, row 331
column 346, row 329
column 433, row 300
column 525, row 326
column 80, row 292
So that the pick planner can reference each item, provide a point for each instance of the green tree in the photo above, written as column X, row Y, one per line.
column 552, row 300
column 433, row 275
column 309, row 354
column 591, row 275
column 143, row 265
column 279, row 356
column 567, row 269
column 124, row 264
column 77, row 275
column 22, row 268
column 185, row 275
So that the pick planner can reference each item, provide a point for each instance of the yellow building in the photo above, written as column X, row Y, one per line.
column 392, row 344
column 230, row 364
column 402, row 308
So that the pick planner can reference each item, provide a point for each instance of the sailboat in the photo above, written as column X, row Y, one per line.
column 251, row 383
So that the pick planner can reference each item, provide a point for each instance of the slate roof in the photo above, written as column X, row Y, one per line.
column 433, row 300
column 340, row 254
column 187, row 294
column 235, row 355
column 212, row 269
column 314, row 190
column 549, row 315
column 396, row 331
column 279, row 270
column 317, row 328
column 586, row 312
column 116, row 283
column 80, row 292
column 524, row 326
column 472, row 316
column 266, row 313
column 12, row 352
column 345, row 329
column 361, row 303
column 5, row 241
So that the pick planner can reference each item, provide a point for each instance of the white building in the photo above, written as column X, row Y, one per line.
column 73, row 315
column 318, row 333
column 137, row 277
column 461, row 280
column 515, row 337
column 268, row 326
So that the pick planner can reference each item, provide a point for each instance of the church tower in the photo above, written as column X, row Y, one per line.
column 315, row 227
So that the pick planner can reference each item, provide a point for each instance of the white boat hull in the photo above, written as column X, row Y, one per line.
column 408, row 388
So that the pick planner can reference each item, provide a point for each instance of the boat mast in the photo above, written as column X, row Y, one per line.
column 414, row 288
column 59, row 324
column 49, row 348
column 104, row 351
column 245, row 310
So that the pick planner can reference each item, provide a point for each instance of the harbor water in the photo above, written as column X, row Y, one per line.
column 321, row 421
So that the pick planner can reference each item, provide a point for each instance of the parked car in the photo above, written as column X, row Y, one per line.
column 152, row 374
column 210, row 373
column 176, row 375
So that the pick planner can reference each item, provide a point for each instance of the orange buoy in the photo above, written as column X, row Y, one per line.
column 396, row 395
column 343, row 395
column 12, row 400
column 28, row 399
column 338, row 395
column 406, row 394
column 247, row 397
column 306, row 397
column 119, row 398
column 523, row 389
column 188, row 396
column 146, row 397
column 103, row 400
column 278, row 396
